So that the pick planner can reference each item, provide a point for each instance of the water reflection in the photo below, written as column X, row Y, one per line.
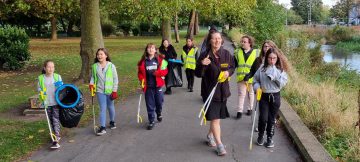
column 352, row 60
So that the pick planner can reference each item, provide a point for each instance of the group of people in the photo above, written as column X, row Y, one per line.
column 265, row 69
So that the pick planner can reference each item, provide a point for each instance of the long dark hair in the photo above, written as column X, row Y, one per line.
column 162, row 47
column 146, row 54
column 44, row 66
column 106, row 53
column 281, row 62
column 208, row 46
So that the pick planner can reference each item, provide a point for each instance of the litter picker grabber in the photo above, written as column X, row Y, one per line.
column 258, row 97
column 93, row 109
column 248, row 95
column 206, row 105
column 138, row 116
column 43, row 98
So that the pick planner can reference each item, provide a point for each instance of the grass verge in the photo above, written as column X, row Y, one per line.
column 324, row 95
column 19, row 138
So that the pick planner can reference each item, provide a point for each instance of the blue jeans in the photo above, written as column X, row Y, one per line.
column 154, row 99
column 105, row 102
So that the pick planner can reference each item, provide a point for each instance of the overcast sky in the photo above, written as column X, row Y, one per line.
column 325, row 2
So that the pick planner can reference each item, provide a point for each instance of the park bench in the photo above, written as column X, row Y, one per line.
column 35, row 107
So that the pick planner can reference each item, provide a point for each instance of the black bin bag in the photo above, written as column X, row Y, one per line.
column 71, row 103
column 174, row 76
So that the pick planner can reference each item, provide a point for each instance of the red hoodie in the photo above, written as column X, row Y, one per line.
column 159, row 74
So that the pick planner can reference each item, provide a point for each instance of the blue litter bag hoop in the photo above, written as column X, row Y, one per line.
column 71, row 90
column 175, row 61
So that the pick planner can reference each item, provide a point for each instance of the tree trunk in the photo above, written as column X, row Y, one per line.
column 53, row 29
column 176, row 29
column 62, row 22
column 190, row 31
column 196, row 27
column 166, row 29
column 70, row 30
column 38, row 30
column 91, row 36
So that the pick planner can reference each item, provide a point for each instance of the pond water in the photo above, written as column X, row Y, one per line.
column 352, row 60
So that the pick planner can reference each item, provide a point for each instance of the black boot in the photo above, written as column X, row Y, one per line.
column 249, row 112
column 190, row 89
column 168, row 91
column 159, row 117
column 238, row 115
column 269, row 142
column 260, row 139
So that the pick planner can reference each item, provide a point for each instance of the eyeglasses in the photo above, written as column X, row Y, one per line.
column 272, row 58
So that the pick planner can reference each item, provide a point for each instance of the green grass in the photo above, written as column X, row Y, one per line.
column 18, row 138
column 324, row 96
column 352, row 45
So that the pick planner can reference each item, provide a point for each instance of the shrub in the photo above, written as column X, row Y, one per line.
column 107, row 29
column 125, row 27
column 339, row 33
column 14, row 47
column 235, row 35
column 135, row 31
column 155, row 28
column 144, row 27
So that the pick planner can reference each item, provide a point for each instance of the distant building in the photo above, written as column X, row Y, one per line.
column 354, row 14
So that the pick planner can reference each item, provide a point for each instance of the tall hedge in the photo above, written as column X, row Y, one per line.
column 14, row 47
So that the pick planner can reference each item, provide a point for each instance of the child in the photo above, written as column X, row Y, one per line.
column 151, row 72
column 169, row 51
column 270, row 77
column 48, row 82
column 189, row 56
column 104, row 81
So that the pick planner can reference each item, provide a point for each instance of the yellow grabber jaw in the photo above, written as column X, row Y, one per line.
column 140, row 119
column 203, row 115
column 221, row 77
column 258, row 94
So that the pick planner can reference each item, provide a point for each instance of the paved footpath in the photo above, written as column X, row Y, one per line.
column 179, row 138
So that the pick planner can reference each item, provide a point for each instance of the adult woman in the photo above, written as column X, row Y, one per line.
column 169, row 51
column 208, row 67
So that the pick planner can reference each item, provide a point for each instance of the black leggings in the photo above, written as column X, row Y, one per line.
column 190, row 77
column 268, row 107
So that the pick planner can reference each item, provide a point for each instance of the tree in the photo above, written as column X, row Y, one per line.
column 341, row 9
column 176, row 29
column 166, row 29
column 303, row 8
column 190, row 31
column 91, row 36
column 268, row 19
column 42, row 9
column 293, row 18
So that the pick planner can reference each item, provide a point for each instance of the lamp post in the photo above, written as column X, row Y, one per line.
column 285, row 5
column 309, row 14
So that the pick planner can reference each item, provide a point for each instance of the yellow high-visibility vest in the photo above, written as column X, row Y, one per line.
column 109, row 80
column 42, row 83
column 189, row 59
column 244, row 67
